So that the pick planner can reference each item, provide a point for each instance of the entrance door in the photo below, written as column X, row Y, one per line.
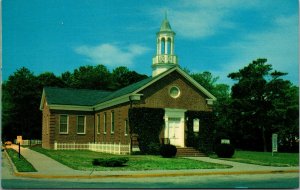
column 174, row 131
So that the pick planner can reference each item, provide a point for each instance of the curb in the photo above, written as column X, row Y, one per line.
column 11, row 162
column 43, row 176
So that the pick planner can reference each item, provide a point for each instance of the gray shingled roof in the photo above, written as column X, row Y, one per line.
column 68, row 96
column 85, row 97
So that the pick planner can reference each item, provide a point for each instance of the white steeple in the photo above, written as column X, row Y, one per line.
column 165, row 57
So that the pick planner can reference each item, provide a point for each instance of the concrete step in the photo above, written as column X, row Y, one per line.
column 189, row 152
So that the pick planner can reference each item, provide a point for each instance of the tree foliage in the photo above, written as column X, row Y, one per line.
column 260, row 105
column 147, row 123
column 22, row 92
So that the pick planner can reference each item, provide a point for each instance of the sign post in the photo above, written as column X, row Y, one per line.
column 19, row 141
column 19, row 150
column 274, row 143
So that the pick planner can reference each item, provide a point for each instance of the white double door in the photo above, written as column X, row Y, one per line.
column 174, row 130
column 174, row 126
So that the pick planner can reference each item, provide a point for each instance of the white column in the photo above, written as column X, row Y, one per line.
column 166, row 46
column 172, row 46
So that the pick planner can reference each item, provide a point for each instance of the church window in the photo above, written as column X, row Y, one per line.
column 81, row 124
column 174, row 92
column 112, row 122
column 104, row 123
column 63, row 124
column 98, row 123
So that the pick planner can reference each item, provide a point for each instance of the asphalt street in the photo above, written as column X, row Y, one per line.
column 286, row 180
column 232, row 181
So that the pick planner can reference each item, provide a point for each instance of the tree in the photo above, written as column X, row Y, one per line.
column 122, row 77
column 205, row 79
column 49, row 79
column 221, row 120
column 22, row 97
column 259, row 104
column 91, row 77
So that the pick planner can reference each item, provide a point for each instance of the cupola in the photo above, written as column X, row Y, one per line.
column 165, row 57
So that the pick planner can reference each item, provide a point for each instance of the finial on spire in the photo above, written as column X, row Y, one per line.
column 166, row 14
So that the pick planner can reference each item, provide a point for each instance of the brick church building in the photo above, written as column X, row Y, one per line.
column 83, row 116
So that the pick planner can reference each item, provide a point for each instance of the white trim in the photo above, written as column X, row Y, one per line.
column 42, row 100
column 175, row 113
column 195, row 83
column 112, row 122
column 64, row 133
column 186, row 76
column 84, row 125
column 104, row 123
column 71, row 107
column 125, row 98
column 177, row 95
column 125, row 129
column 98, row 123
column 112, row 102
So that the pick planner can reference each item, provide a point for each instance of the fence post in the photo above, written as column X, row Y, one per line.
column 119, row 147
column 129, row 148
column 55, row 145
column 110, row 148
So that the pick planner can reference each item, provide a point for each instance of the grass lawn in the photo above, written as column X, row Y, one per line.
column 265, row 158
column 21, row 163
column 82, row 160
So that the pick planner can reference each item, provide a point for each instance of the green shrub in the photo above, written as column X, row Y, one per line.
column 110, row 162
column 147, row 124
column 21, row 163
column 168, row 151
column 153, row 148
column 224, row 150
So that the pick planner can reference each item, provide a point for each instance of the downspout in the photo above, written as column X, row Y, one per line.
column 94, row 125
column 130, row 136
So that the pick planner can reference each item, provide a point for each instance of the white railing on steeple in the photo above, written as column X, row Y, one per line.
column 165, row 58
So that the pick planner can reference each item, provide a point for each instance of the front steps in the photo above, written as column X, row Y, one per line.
column 189, row 152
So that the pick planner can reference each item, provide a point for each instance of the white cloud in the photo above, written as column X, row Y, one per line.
column 111, row 54
column 279, row 44
column 202, row 18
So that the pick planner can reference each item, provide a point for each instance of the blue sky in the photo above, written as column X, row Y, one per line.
column 220, row 36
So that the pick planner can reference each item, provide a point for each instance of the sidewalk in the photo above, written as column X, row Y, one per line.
column 49, row 168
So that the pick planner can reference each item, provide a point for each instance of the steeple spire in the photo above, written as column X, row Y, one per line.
column 166, row 15
column 165, row 57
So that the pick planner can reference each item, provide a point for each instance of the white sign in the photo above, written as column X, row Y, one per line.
column 19, row 139
column 274, row 143
column 196, row 125
column 225, row 141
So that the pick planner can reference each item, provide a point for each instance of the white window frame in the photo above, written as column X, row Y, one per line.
column 112, row 122
column 67, row 124
column 172, row 95
column 104, row 123
column 98, row 124
column 84, row 125
column 126, row 127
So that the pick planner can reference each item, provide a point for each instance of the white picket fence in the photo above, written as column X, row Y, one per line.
column 29, row 142
column 116, row 148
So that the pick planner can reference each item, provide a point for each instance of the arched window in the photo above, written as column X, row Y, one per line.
column 168, row 44
column 162, row 46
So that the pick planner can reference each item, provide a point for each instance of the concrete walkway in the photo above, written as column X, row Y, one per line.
column 49, row 168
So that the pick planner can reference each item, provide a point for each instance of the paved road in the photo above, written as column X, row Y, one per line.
column 289, row 180
column 232, row 181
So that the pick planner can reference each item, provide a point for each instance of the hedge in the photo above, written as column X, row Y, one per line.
column 147, row 123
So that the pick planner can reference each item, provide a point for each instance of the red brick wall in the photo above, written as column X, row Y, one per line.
column 120, row 115
column 72, row 135
column 157, row 95
column 46, row 127
column 154, row 96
